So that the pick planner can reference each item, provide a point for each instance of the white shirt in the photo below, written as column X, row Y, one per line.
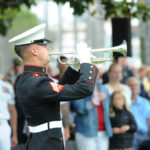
column 125, row 90
column 6, row 97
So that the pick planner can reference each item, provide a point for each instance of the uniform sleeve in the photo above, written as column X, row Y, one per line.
column 69, row 77
column 46, row 90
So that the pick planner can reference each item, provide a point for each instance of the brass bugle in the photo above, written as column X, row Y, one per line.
column 107, row 54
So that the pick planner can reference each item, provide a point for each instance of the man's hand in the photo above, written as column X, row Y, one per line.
column 83, row 55
column 101, row 96
column 14, row 141
column 66, row 133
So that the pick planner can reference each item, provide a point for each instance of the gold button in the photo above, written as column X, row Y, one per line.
column 43, row 70
column 90, row 78
column 91, row 66
column 90, row 71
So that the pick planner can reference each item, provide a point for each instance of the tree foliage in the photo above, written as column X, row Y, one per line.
column 126, row 9
column 23, row 21
column 8, row 11
column 79, row 6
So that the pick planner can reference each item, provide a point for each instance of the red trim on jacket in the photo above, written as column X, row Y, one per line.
column 89, row 80
column 36, row 77
column 94, row 74
column 34, row 66
column 35, row 72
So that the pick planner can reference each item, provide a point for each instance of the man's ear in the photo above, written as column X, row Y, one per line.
column 34, row 50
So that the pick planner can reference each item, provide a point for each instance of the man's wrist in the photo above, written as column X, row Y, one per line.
column 14, row 133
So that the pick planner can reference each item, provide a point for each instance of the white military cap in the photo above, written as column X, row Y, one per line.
column 34, row 35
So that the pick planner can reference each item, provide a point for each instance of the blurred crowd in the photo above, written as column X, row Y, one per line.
column 115, row 117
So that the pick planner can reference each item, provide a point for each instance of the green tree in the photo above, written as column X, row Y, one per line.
column 23, row 21
column 9, row 9
column 125, row 9
column 79, row 6
column 8, row 12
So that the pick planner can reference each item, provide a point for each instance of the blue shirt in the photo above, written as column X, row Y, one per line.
column 141, row 113
column 86, row 119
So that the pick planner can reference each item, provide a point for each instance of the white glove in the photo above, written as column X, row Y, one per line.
column 83, row 53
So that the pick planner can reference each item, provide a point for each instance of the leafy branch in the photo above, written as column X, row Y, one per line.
column 8, row 11
column 123, row 9
column 126, row 9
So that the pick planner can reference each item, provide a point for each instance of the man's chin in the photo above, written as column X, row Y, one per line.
column 47, row 62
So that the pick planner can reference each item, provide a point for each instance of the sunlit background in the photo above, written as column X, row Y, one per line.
column 66, row 30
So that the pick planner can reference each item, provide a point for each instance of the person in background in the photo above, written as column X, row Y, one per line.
column 7, row 113
column 142, row 78
column 22, row 129
column 123, row 123
column 92, row 124
column 126, row 71
column 102, row 103
column 105, row 77
column 86, row 124
column 64, row 105
column 146, row 82
column 61, row 67
column 134, row 70
column 12, row 75
column 15, row 70
column 114, row 84
column 140, row 108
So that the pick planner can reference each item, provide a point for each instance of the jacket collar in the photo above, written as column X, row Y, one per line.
column 32, row 68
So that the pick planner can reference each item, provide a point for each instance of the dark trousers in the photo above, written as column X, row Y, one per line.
column 46, row 140
column 19, row 147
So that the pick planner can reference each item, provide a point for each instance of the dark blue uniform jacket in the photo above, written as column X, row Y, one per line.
column 40, row 98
